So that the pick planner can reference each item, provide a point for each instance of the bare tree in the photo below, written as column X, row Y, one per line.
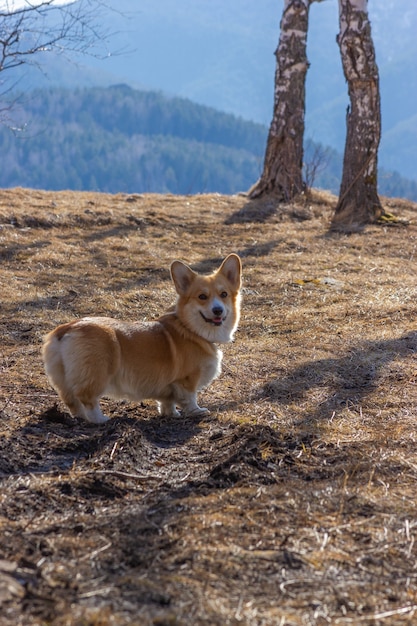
column 283, row 163
column 30, row 28
column 358, row 202
column 317, row 160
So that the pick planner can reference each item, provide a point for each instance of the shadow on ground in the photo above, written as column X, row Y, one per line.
column 347, row 379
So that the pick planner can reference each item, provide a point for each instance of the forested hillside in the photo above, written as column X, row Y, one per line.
column 118, row 139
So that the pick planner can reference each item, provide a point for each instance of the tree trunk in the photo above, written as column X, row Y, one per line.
column 359, row 203
column 282, row 173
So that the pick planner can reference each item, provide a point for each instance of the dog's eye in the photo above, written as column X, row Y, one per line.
column 223, row 294
column 202, row 296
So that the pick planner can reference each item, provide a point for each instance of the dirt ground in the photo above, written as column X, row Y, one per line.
column 294, row 502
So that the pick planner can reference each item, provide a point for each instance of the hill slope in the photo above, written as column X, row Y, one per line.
column 292, row 502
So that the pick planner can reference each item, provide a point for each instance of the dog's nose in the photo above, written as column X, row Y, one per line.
column 217, row 311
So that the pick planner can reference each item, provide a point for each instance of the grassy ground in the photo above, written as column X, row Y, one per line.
column 293, row 503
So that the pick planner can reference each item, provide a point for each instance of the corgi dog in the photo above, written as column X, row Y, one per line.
column 168, row 360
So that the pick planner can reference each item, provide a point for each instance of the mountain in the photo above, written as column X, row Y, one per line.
column 220, row 54
column 119, row 139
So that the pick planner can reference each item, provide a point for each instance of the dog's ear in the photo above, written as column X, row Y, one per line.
column 232, row 269
column 182, row 276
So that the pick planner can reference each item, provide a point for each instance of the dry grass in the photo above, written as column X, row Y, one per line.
column 293, row 503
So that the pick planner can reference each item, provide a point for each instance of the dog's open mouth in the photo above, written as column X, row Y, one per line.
column 216, row 321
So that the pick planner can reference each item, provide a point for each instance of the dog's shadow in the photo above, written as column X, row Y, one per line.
column 169, row 432
column 54, row 441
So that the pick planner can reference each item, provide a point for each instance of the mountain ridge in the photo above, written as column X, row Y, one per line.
column 118, row 139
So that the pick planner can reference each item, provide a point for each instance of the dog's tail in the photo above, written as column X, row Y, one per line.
column 52, row 357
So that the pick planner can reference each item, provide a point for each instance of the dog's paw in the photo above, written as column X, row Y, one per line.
column 99, row 420
column 95, row 416
column 198, row 412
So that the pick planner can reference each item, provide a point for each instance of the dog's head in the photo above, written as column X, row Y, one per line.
column 209, row 305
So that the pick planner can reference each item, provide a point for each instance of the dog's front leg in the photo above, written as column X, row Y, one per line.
column 166, row 408
column 196, row 411
column 187, row 400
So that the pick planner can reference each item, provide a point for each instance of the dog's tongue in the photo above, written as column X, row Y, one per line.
column 217, row 320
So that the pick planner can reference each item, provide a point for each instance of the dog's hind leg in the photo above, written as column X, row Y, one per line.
column 90, row 411
column 95, row 415
column 76, row 407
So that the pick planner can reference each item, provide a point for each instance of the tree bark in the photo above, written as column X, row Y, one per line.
column 358, row 202
column 282, row 171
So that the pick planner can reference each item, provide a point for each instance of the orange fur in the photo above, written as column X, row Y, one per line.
column 168, row 360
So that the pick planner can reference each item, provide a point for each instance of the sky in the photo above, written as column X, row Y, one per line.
column 13, row 5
